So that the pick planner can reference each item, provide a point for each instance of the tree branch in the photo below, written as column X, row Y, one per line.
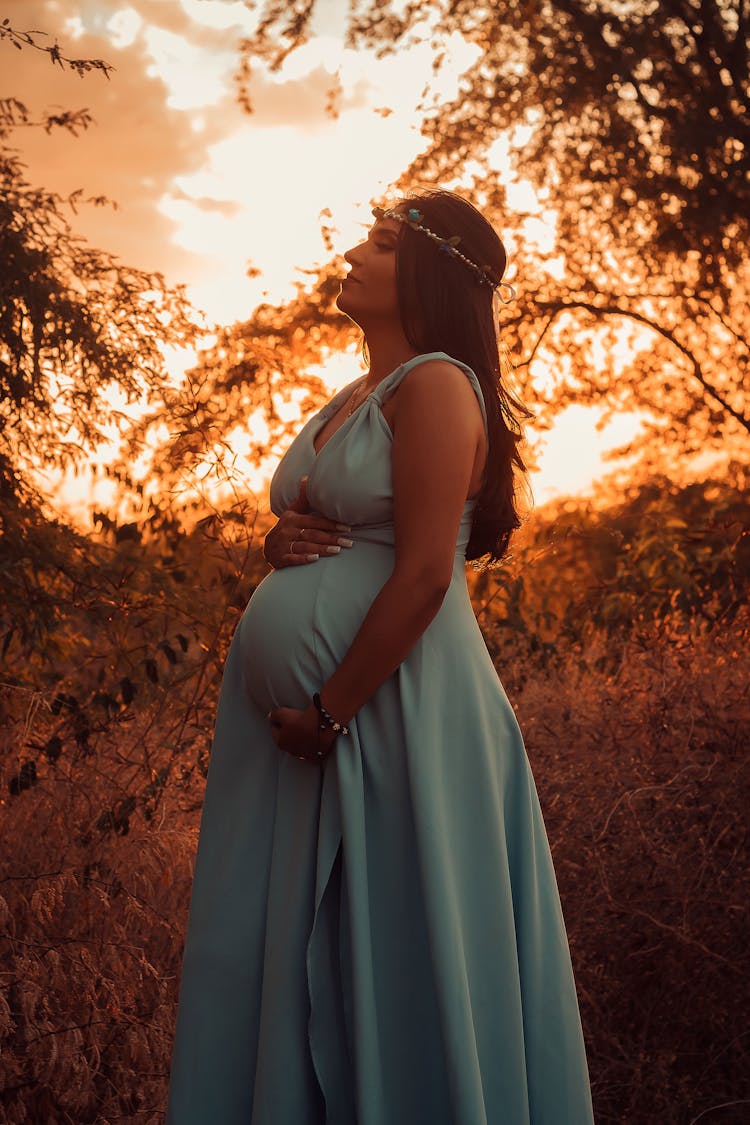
column 19, row 39
column 556, row 307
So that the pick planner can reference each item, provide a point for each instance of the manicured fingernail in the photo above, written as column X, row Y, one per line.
column 332, row 550
column 345, row 542
column 343, row 527
column 312, row 558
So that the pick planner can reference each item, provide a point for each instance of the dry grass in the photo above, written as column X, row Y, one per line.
column 644, row 778
column 639, row 748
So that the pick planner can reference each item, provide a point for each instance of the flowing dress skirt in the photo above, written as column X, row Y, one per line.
column 378, row 941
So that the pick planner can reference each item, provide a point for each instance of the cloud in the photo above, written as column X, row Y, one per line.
column 167, row 107
column 202, row 186
column 139, row 142
column 303, row 102
column 227, row 208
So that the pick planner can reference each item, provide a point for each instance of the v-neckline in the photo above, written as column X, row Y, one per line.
column 326, row 419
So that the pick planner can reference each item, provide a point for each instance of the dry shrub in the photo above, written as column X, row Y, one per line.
column 91, row 932
column 102, row 790
column 639, row 748
column 638, row 744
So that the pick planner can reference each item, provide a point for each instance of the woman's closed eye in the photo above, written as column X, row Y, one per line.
column 383, row 240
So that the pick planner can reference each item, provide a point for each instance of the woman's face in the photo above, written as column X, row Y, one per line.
column 369, row 293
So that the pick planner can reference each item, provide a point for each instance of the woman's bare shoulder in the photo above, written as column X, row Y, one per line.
column 438, row 385
column 434, row 368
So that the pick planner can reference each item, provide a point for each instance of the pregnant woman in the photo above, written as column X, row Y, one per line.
column 375, row 934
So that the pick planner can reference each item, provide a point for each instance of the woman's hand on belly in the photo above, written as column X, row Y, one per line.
column 299, row 733
column 302, row 537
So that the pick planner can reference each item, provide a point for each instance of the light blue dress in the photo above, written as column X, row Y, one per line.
column 378, row 941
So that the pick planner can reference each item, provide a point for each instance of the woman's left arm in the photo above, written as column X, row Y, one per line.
column 434, row 445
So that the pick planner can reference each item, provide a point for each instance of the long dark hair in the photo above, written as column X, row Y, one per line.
column 445, row 307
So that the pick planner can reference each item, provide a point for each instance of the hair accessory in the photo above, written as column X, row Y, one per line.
column 448, row 246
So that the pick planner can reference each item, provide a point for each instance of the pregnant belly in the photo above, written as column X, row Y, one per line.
column 301, row 620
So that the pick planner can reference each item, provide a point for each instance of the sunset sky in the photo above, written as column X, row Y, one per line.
column 205, row 190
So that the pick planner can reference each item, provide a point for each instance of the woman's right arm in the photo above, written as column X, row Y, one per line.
column 432, row 455
column 302, row 537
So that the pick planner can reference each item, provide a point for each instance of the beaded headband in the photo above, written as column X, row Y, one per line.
column 448, row 246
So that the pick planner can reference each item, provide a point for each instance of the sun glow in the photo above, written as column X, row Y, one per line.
column 230, row 203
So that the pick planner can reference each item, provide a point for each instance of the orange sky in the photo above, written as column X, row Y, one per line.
column 204, row 190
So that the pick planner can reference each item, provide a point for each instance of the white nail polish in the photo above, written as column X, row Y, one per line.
column 312, row 558
column 346, row 542
column 332, row 550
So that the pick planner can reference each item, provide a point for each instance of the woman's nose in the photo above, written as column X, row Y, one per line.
column 350, row 255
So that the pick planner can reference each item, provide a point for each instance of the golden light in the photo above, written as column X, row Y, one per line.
column 248, row 190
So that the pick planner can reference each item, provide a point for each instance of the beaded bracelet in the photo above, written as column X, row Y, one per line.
column 328, row 722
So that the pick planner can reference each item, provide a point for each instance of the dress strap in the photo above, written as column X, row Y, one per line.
column 389, row 384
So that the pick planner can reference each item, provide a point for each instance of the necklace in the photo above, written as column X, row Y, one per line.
column 356, row 399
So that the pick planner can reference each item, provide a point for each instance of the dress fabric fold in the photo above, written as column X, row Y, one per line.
column 378, row 941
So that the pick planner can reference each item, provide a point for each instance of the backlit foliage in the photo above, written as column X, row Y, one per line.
column 630, row 120
column 74, row 325
column 254, row 366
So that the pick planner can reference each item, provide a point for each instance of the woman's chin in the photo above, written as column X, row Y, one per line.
column 344, row 305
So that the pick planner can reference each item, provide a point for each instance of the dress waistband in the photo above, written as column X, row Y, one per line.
column 384, row 535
